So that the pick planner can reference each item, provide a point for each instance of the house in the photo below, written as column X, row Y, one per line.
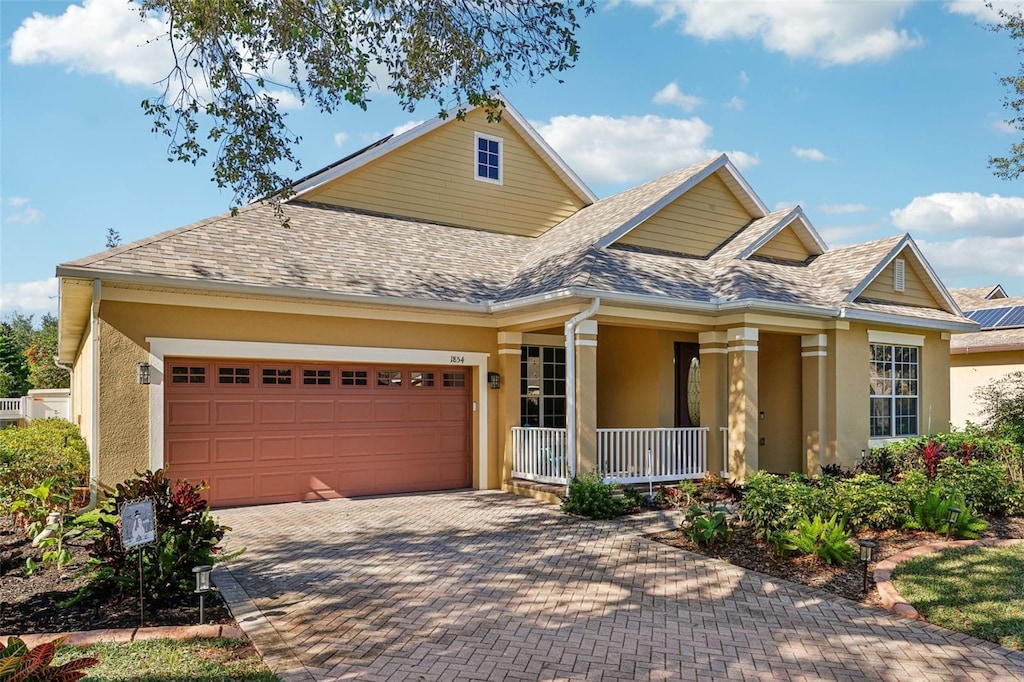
column 453, row 307
column 981, row 357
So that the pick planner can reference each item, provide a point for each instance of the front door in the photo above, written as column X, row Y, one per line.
column 687, row 364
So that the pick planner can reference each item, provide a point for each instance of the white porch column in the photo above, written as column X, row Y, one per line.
column 586, row 396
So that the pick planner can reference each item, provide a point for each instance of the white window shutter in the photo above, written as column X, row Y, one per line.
column 899, row 275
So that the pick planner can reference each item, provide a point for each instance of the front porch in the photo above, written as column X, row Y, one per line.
column 635, row 455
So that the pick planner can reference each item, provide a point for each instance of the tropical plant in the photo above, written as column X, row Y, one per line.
column 591, row 497
column 931, row 453
column 829, row 539
column 772, row 504
column 19, row 663
column 707, row 525
column 932, row 513
column 634, row 499
column 186, row 536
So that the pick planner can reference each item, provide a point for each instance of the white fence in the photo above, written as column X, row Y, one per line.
column 652, row 455
column 538, row 454
column 623, row 455
column 13, row 409
column 40, row 403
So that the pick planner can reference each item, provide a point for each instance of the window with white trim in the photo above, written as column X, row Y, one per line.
column 894, row 380
column 542, row 386
column 488, row 158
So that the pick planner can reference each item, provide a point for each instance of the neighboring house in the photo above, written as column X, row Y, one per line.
column 409, row 330
column 981, row 357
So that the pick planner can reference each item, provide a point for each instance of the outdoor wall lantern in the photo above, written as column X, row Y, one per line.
column 202, row 587
column 867, row 549
column 954, row 515
column 494, row 380
column 142, row 373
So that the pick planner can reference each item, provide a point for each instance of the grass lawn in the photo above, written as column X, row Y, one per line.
column 204, row 660
column 977, row 590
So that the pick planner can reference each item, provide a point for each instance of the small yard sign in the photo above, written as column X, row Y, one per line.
column 138, row 525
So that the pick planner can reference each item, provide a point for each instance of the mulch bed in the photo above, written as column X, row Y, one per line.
column 32, row 604
column 847, row 581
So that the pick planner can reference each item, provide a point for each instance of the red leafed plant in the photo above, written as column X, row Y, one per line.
column 931, row 454
column 966, row 452
column 18, row 663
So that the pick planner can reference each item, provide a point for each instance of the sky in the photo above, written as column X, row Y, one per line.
column 877, row 117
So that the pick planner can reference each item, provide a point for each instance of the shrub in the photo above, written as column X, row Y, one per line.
column 707, row 525
column 1015, row 501
column 186, row 536
column 827, row 539
column 1001, row 403
column 772, row 504
column 983, row 485
column 714, row 487
column 932, row 513
column 591, row 497
column 866, row 501
column 634, row 499
column 46, row 448
column 18, row 662
column 903, row 456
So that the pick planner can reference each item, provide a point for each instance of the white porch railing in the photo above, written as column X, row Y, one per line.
column 538, row 454
column 652, row 455
column 725, row 450
column 13, row 408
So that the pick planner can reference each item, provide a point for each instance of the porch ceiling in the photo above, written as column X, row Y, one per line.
column 75, row 300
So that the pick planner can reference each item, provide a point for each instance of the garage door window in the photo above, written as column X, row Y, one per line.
column 389, row 378
column 274, row 376
column 316, row 377
column 181, row 374
column 421, row 379
column 234, row 375
column 354, row 377
column 454, row 379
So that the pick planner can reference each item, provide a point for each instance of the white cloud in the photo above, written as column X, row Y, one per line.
column 845, row 235
column 30, row 298
column 839, row 209
column 408, row 125
column 744, row 79
column 809, row 154
column 992, row 215
column 979, row 10
column 996, row 257
column 779, row 205
column 1001, row 125
column 339, row 138
column 286, row 99
column 736, row 104
column 22, row 211
column 827, row 31
column 99, row 36
column 607, row 150
column 671, row 94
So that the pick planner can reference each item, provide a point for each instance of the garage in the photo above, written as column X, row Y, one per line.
column 263, row 432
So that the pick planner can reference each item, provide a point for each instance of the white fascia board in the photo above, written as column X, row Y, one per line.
column 779, row 226
column 671, row 196
column 556, row 162
column 278, row 291
column 811, row 232
column 906, row 242
column 746, row 187
column 877, row 270
column 808, row 236
column 913, row 322
column 933, row 276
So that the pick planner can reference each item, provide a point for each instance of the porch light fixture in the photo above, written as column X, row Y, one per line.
column 867, row 550
column 494, row 380
column 954, row 515
column 203, row 586
column 142, row 373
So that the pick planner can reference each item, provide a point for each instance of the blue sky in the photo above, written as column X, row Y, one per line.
column 877, row 117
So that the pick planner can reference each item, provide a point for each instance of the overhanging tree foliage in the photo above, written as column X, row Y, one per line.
column 1011, row 166
column 234, row 58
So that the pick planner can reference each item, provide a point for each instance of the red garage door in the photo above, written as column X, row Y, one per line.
column 262, row 432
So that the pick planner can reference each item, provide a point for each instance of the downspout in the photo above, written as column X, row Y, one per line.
column 94, row 397
column 570, row 383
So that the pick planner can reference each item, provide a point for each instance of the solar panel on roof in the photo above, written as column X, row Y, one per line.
column 1014, row 318
column 988, row 317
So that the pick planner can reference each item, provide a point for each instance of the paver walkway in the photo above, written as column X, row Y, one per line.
column 488, row 586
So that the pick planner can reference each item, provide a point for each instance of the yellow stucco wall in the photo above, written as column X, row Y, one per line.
column 433, row 178
column 124, row 405
column 917, row 293
column 81, row 383
column 780, row 399
column 970, row 371
column 786, row 245
column 695, row 223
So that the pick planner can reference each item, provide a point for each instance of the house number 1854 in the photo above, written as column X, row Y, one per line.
column 458, row 360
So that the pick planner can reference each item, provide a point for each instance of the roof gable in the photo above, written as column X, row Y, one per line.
column 791, row 239
column 922, row 286
column 697, row 216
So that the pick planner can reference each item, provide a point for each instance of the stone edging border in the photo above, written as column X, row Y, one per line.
column 891, row 599
column 90, row 637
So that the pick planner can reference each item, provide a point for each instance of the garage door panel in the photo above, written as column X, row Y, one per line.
column 240, row 449
column 234, row 412
column 188, row 413
column 261, row 443
column 186, row 451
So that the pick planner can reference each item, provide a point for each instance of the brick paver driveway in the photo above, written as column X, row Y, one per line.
column 487, row 586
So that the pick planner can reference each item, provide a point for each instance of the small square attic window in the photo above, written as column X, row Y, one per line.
column 488, row 158
column 899, row 275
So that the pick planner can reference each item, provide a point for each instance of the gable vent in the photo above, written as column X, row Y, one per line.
column 899, row 275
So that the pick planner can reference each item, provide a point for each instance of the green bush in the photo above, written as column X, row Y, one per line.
column 932, row 513
column 827, row 539
column 591, row 497
column 44, row 449
column 893, row 459
column 186, row 536
column 983, row 484
column 772, row 504
column 707, row 525
column 865, row 501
